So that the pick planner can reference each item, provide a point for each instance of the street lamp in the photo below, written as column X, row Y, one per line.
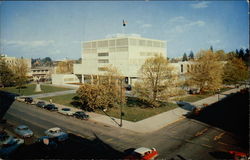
column 218, row 92
column 121, row 105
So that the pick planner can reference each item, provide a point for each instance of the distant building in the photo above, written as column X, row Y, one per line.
column 42, row 73
column 126, row 52
column 11, row 61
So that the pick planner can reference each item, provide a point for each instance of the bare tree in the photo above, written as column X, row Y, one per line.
column 64, row 67
column 207, row 71
column 157, row 76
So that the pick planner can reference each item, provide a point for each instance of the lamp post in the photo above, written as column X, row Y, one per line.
column 121, row 105
column 218, row 92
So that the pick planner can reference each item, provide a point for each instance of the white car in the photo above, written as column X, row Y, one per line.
column 57, row 133
column 66, row 111
column 20, row 98
column 23, row 131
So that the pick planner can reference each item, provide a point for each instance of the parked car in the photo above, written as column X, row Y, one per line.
column 57, row 133
column 28, row 100
column 66, row 111
column 51, row 107
column 40, row 104
column 143, row 153
column 81, row 115
column 20, row 98
column 23, row 131
column 8, row 144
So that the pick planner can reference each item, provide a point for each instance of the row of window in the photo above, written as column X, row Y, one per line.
column 149, row 53
column 123, row 42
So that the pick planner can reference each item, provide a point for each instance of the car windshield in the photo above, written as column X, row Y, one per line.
column 55, row 131
column 23, row 128
column 66, row 109
column 81, row 113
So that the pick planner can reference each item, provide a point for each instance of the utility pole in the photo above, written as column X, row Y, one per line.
column 121, row 104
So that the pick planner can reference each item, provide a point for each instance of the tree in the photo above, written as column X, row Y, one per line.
column 191, row 55
column 95, row 96
column 211, row 48
column 184, row 58
column 241, row 53
column 235, row 71
column 106, row 92
column 157, row 76
column 6, row 74
column 47, row 61
column 20, row 70
column 221, row 55
column 207, row 73
column 64, row 67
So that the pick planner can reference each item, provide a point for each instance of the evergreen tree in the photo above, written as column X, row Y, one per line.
column 184, row 58
column 211, row 48
column 191, row 55
column 241, row 53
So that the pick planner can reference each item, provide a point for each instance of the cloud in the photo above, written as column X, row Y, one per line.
column 178, row 19
column 213, row 41
column 38, row 43
column 181, row 24
column 187, row 26
column 146, row 25
column 199, row 5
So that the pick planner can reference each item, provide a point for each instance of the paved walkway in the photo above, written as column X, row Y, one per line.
column 152, row 123
column 52, row 94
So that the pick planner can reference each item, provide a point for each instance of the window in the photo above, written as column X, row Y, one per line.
column 132, row 42
column 102, row 68
column 111, row 43
column 122, row 42
column 181, row 68
column 87, row 45
column 149, row 43
column 142, row 42
column 103, row 54
column 122, row 49
column 102, row 43
column 103, row 61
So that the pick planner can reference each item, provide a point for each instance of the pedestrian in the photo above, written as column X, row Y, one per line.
column 50, row 100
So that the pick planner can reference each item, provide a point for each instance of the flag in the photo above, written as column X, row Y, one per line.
column 124, row 23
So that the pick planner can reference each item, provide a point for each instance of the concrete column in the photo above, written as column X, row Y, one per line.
column 92, row 79
column 82, row 78
column 98, row 79
column 129, row 80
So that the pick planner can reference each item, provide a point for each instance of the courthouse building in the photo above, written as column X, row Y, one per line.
column 125, row 52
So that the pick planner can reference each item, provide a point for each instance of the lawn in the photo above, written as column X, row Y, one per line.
column 197, row 97
column 30, row 89
column 133, row 110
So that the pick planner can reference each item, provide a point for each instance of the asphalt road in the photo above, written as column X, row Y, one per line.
column 186, row 139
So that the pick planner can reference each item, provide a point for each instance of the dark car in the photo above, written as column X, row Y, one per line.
column 51, row 107
column 81, row 115
column 28, row 100
column 40, row 104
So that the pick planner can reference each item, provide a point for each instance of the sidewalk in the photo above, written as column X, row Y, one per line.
column 152, row 123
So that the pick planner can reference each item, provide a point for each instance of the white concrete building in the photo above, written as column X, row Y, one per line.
column 126, row 52
column 62, row 79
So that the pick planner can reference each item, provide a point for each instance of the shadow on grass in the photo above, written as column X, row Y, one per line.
column 22, row 87
column 229, row 114
column 74, row 148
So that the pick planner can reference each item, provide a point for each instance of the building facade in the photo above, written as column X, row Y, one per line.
column 126, row 53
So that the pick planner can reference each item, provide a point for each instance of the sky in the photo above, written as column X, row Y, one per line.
column 34, row 29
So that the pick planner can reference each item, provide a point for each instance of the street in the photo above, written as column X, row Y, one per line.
column 186, row 139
